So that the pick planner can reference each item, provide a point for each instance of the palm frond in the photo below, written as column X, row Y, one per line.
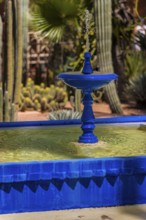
column 51, row 17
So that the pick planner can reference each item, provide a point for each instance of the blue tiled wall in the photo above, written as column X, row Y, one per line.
column 39, row 186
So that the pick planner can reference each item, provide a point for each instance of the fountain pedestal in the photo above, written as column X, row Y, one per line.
column 87, row 82
column 87, row 119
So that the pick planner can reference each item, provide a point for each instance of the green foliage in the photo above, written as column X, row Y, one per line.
column 136, row 90
column 53, row 17
column 64, row 115
column 135, row 64
column 42, row 98
column 123, row 24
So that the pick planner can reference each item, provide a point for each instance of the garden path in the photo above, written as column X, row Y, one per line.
column 135, row 212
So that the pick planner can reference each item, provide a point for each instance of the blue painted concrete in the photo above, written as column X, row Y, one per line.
column 87, row 81
column 55, row 185
column 118, row 119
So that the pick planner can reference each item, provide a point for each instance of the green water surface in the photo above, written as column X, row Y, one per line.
column 51, row 143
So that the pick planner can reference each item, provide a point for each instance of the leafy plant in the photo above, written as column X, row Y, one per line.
column 53, row 17
column 135, row 64
column 136, row 90
column 64, row 115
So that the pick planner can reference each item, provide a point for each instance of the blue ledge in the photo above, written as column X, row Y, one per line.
column 62, row 169
column 119, row 119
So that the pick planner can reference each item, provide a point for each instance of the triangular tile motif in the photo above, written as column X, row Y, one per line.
column 112, row 179
column 19, row 187
column 32, row 185
column 6, row 187
column 58, row 183
column 44, row 184
column 85, row 182
column 98, row 180
column 71, row 182
column 140, row 178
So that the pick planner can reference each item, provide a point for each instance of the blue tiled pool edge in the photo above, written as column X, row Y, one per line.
column 56, row 185
column 66, row 184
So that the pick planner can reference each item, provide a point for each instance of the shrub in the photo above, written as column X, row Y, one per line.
column 135, row 64
column 136, row 90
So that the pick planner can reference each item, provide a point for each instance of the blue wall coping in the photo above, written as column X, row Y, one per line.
column 118, row 119
column 69, row 184
column 76, row 168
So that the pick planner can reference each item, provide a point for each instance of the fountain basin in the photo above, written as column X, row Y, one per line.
column 87, row 81
column 79, row 183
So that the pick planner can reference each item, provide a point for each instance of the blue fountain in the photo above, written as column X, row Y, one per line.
column 87, row 82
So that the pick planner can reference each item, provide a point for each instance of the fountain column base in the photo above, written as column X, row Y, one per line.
column 88, row 138
column 88, row 120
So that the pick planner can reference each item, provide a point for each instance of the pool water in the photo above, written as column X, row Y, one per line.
column 52, row 143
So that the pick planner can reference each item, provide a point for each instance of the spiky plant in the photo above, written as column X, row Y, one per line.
column 64, row 115
column 42, row 98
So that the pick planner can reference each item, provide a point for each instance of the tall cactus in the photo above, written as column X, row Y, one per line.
column 103, row 21
column 24, row 10
column 9, row 47
column 12, row 57
column 1, row 90
column 1, row 104
column 19, row 56
column 1, row 32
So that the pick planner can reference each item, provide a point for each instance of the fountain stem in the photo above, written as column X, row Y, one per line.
column 87, row 119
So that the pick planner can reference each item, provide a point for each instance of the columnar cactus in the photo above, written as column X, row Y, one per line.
column 103, row 20
column 1, row 104
column 19, row 54
column 1, row 32
column 9, row 47
column 12, row 57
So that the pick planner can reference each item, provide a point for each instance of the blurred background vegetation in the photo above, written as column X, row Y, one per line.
column 40, row 39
